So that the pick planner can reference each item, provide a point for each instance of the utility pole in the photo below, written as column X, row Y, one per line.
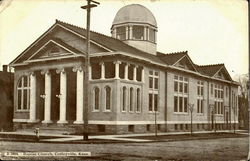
column 87, row 64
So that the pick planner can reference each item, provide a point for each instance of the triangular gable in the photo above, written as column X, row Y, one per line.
column 222, row 73
column 45, row 37
column 186, row 63
column 54, row 48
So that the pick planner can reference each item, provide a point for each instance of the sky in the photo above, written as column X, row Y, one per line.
column 211, row 31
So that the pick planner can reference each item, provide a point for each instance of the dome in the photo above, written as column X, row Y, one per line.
column 134, row 13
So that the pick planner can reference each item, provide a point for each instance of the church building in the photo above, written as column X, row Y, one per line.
column 133, row 87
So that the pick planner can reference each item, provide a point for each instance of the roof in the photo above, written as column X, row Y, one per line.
column 110, row 42
column 114, row 45
column 209, row 70
column 171, row 58
column 134, row 13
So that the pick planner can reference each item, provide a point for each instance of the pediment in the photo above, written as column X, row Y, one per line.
column 49, row 50
column 54, row 49
column 185, row 63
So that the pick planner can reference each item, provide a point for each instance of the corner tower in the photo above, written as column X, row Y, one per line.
column 136, row 25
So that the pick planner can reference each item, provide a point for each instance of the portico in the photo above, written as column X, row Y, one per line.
column 119, row 70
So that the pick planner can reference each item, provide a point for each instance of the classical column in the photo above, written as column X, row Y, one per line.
column 114, row 33
column 126, row 72
column 145, row 33
column 90, row 72
column 62, row 96
column 155, row 36
column 117, row 69
column 47, row 97
column 134, row 73
column 32, row 97
column 142, row 75
column 79, row 94
column 127, row 32
column 102, row 70
column 130, row 32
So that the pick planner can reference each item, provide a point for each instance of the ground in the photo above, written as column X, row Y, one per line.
column 211, row 149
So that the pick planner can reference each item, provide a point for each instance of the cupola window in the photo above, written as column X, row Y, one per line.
column 138, row 32
column 121, row 33
column 151, row 35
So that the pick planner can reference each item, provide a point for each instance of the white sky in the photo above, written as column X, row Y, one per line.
column 212, row 31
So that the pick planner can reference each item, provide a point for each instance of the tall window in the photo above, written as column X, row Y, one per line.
column 121, row 33
column 180, row 94
column 96, row 99
column 138, row 100
column 124, row 98
column 200, row 97
column 153, row 90
column 138, row 32
column 107, row 98
column 131, row 101
column 218, row 99
column 212, row 89
column 23, row 90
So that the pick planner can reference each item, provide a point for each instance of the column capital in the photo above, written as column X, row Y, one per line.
column 60, row 70
column 30, row 73
column 117, row 62
column 46, row 71
column 77, row 68
column 101, row 63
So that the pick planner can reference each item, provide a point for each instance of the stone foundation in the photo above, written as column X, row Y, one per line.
column 125, row 129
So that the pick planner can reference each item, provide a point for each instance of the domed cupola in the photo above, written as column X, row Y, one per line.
column 136, row 25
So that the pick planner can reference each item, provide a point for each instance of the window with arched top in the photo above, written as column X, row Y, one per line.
column 124, row 98
column 131, row 101
column 107, row 98
column 96, row 99
column 23, row 92
column 138, row 100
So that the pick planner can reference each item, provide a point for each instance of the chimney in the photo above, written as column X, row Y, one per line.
column 5, row 68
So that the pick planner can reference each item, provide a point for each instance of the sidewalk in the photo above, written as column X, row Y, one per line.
column 121, row 137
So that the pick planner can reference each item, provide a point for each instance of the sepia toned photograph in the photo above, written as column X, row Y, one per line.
column 124, row 80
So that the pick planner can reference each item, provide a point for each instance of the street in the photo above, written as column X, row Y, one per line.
column 212, row 149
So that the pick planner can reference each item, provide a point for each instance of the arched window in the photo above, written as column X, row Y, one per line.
column 107, row 98
column 96, row 98
column 23, row 91
column 124, row 98
column 138, row 100
column 131, row 101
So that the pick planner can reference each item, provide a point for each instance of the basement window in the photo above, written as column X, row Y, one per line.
column 101, row 128
column 131, row 128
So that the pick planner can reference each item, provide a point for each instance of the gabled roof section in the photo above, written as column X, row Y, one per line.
column 55, row 43
column 213, row 69
column 171, row 58
column 177, row 58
